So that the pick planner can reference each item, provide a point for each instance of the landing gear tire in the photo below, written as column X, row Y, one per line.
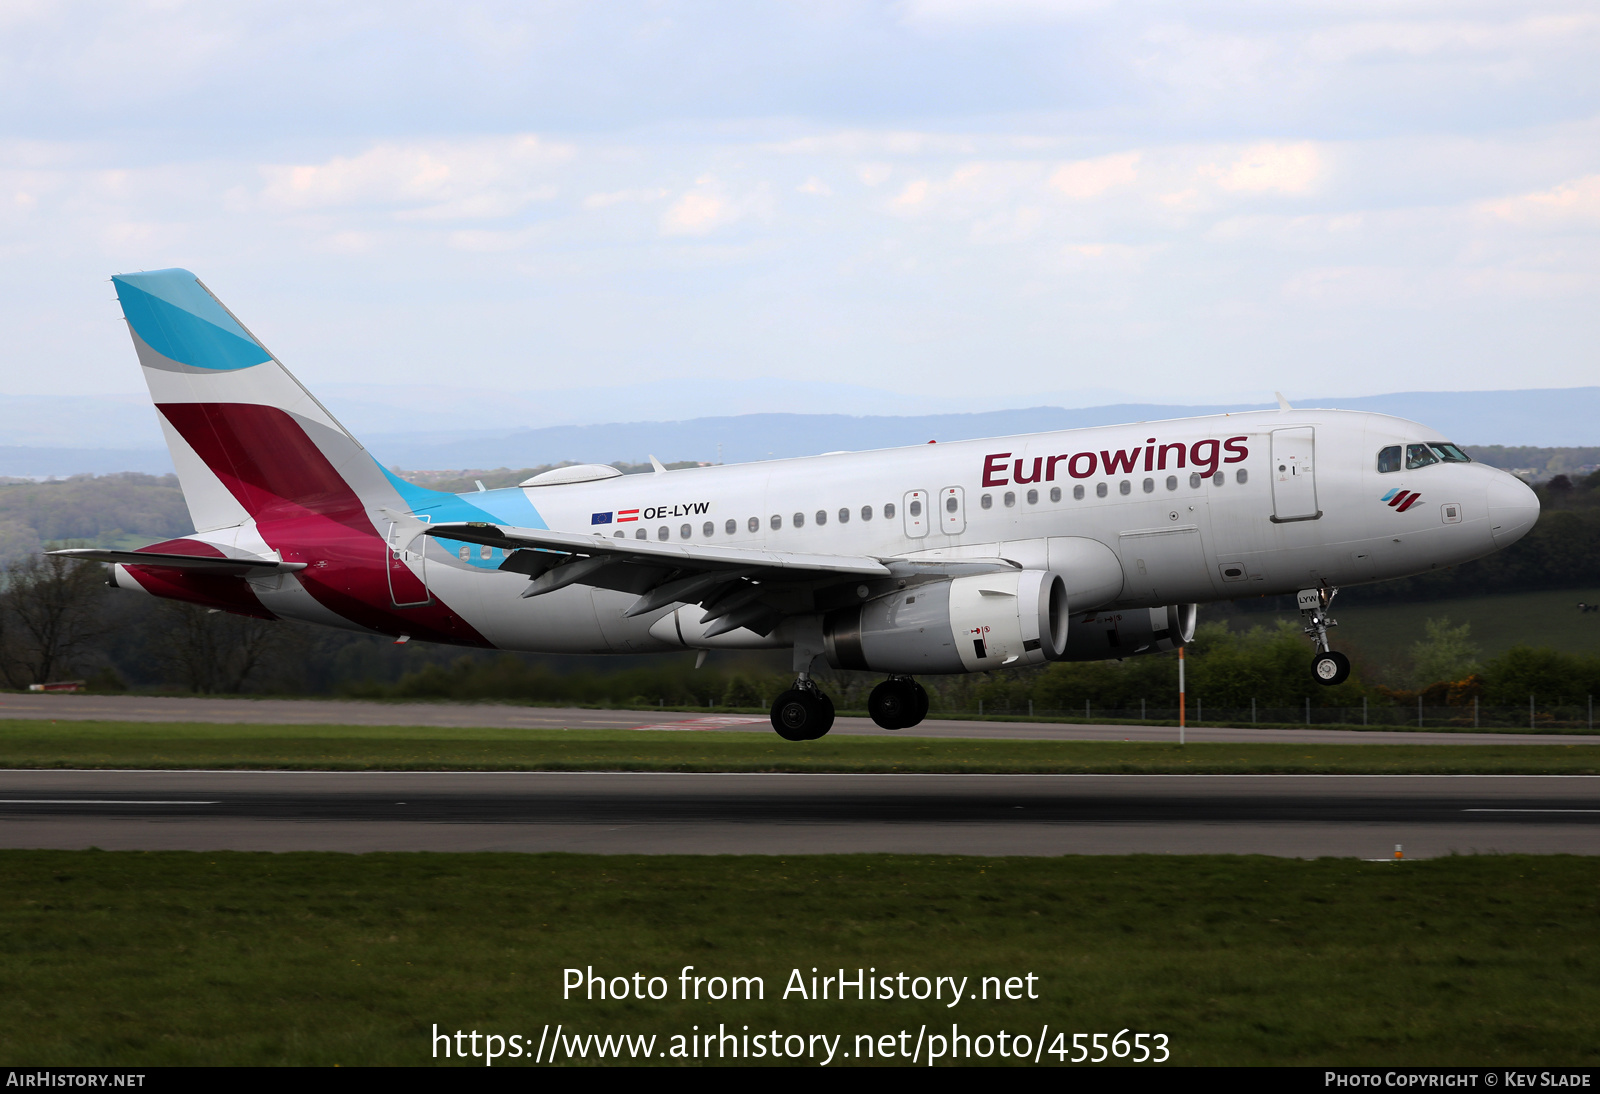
column 898, row 703
column 893, row 704
column 802, row 714
column 1330, row 668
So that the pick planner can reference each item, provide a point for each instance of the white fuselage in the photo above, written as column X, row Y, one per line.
column 1247, row 504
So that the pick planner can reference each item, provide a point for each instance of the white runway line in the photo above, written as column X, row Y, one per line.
column 90, row 801
column 1531, row 810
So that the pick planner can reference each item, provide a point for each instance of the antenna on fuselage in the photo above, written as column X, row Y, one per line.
column 655, row 463
column 1283, row 404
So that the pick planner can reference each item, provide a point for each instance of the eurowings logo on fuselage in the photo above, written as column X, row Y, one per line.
column 1401, row 500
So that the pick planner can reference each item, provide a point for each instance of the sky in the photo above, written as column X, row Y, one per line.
column 990, row 203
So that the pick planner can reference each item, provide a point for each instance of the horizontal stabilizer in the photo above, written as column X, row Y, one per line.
column 237, row 567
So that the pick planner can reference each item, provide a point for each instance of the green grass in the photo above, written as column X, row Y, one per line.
column 42, row 744
column 1498, row 622
column 134, row 959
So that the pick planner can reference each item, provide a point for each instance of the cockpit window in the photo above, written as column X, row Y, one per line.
column 1448, row 452
column 1419, row 455
column 1389, row 459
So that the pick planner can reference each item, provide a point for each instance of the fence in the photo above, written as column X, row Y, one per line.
column 1533, row 717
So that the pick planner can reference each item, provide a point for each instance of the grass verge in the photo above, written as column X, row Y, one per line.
column 229, row 958
column 41, row 744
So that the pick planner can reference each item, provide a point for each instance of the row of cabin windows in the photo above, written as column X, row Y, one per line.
column 1125, row 487
column 986, row 501
column 1419, row 455
column 731, row 527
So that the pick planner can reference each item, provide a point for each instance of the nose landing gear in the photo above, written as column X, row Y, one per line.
column 898, row 703
column 803, row 713
column 1328, row 667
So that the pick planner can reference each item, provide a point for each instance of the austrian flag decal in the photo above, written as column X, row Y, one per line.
column 1401, row 500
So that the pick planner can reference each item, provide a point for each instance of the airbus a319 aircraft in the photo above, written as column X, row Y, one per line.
column 1077, row 545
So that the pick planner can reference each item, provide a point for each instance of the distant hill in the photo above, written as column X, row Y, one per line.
column 1541, row 417
column 1544, row 418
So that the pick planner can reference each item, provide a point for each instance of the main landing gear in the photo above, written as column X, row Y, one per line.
column 803, row 713
column 1328, row 667
column 898, row 703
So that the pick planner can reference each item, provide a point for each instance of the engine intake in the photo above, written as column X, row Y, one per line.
column 964, row 624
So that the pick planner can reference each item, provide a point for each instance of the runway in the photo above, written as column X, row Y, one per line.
column 139, row 708
column 615, row 813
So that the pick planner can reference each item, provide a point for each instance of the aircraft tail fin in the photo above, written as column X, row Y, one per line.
column 248, row 440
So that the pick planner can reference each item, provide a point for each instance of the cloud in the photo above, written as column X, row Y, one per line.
column 624, row 197
column 483, row 177
column 1091, row 178
column 707, row 207
column 1577, row 201
column 1262, row 168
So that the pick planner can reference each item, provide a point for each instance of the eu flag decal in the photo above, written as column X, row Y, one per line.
column 600, row 518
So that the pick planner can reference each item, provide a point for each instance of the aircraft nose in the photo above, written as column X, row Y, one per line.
column 1512, row 509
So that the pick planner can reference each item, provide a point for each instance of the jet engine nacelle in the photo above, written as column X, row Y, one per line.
column 964, row 624
column 1100, row 636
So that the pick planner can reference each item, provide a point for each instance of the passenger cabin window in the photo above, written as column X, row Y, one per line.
column 1010, row 499
column 1099, row 489
column 888, row 511
column 986, row 502
column 731, row 527
column 1055, row 493
column 844, row 516
column 777, row 521
column 754, row 524
column 686, row 531
column 1389, row 459
column 663, row 532
column 1077, row 493
column 866, row 512
column 822, row 516
column 1172, row 482
column 709, row 530
column 1033, row 497
column 1419, row 455
column 916, row 508
column 1448, row 452
column 1241, row 476
column 799, row 520
column 641, row 534
column 1149, row 486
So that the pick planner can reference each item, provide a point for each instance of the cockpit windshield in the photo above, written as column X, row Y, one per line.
column 1419, row 455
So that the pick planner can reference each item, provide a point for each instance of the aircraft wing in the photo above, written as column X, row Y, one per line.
column 738, row 586
column 230, row 567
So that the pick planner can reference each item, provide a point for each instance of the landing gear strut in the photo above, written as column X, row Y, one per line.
column 898, row 703
column 1328, row 667
column 803, row 713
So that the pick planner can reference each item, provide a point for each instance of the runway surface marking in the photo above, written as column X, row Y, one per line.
column 90, row 801
column 1531, row 810
column 714, row 722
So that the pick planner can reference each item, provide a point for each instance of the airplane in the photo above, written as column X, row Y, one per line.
column 961, row 557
